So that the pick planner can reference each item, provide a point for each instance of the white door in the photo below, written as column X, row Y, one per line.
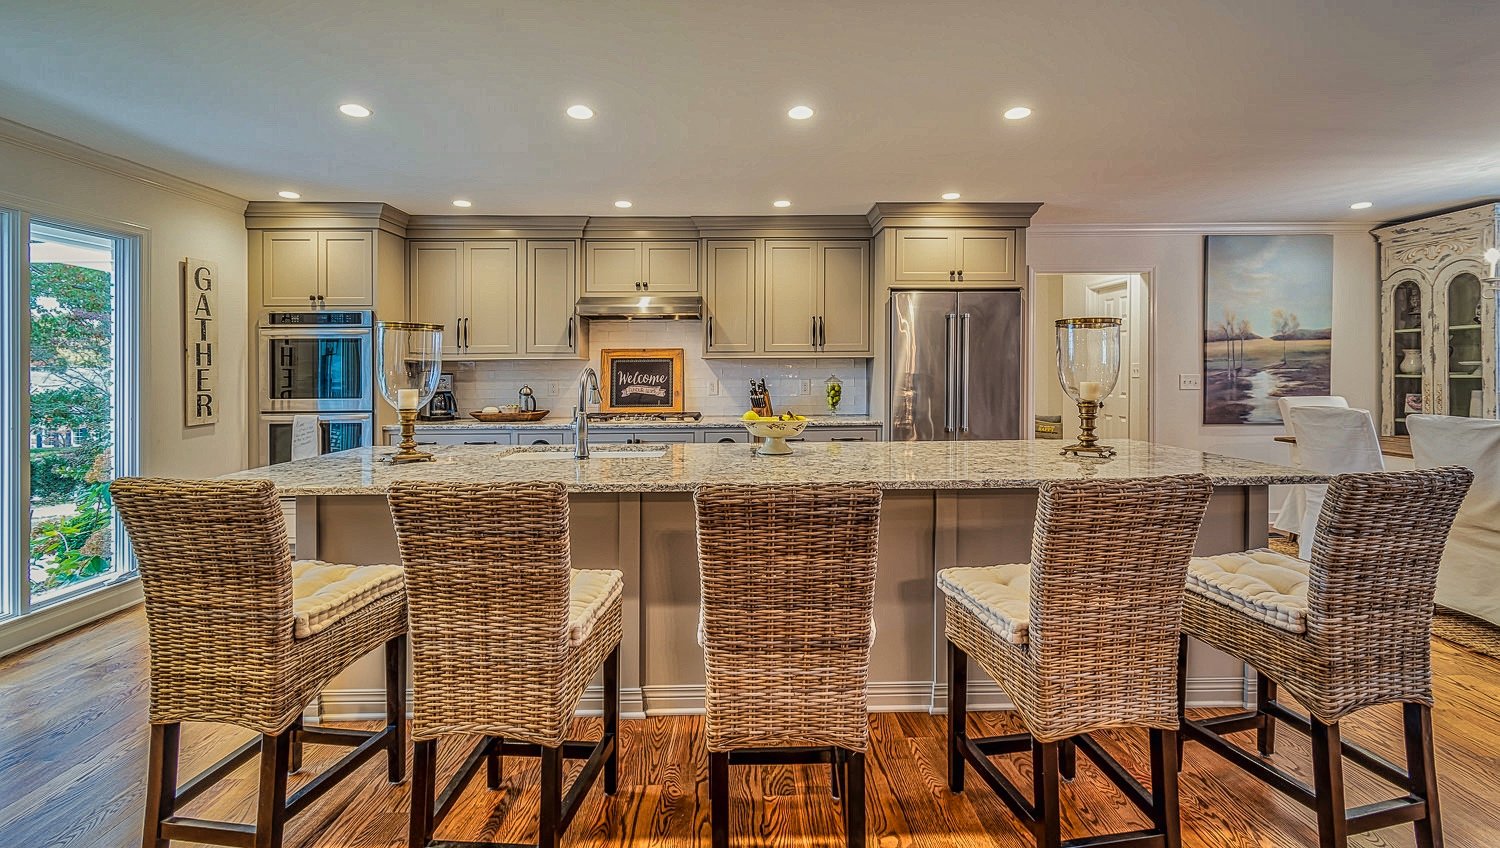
column 1112, row 299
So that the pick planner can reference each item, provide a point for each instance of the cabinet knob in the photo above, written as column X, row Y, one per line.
column 960, row 276
column 952, row 275
column 646, row 285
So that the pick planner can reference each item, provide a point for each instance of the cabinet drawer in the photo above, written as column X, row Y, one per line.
column 464, row 437
column 841, row 434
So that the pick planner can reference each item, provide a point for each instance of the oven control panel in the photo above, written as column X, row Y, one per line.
column 320, row 318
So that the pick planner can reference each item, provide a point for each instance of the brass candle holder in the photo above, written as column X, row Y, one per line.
column 1088, row 443
column 407, row 451
column 1088, row 366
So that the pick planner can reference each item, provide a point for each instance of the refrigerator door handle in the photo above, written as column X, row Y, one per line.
column 963, row 380
column 950, row 377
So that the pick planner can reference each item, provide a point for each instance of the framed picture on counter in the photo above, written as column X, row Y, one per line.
column 642, row 380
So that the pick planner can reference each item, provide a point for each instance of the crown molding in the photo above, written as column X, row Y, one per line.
column 949, row 213
column 31, row 138
column 298, row 214
column 783, row 226
column 1219, row 228
column 641, row 227
column 496, row 226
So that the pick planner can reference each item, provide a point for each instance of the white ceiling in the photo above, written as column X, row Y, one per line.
column 1148, row 111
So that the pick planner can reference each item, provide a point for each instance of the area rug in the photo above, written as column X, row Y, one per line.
column 1476, row 634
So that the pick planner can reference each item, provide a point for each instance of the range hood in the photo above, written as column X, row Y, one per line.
column 627, row 307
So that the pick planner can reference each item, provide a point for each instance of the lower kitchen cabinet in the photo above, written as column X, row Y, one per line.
column 839, row 434
column 637, row 437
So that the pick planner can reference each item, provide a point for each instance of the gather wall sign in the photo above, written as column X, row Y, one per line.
column 200, row 341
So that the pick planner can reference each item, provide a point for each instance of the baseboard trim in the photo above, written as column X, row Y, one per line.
column 37, row 627
column 884, row 697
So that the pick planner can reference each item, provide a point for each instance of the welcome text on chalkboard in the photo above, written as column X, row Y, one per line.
column 643, row 380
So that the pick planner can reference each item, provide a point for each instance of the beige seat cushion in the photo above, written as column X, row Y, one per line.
column 590, row 593
column 1265, row 585
column 1000, row 595
column 324, row 592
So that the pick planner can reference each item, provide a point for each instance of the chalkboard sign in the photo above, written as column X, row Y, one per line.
column 647, row 380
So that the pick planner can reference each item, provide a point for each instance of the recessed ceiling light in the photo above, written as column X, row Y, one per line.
column 781, row 204
column 952, row 195
column 289, row 195
column 1016, row 113
column 1363, row 204
column 354, row 110
column 623, row 204
column 463, row 204
column 580, row 112
column 799, row 113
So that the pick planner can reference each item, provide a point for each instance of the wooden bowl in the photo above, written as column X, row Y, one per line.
column 510, row 417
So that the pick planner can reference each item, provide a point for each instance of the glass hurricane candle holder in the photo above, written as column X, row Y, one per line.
column 1088, row 365
column 408, row 364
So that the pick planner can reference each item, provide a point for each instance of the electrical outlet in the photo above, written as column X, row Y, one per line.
column 711, row 388
column 804, row 387
column 1189, row 382
column 1135, row 371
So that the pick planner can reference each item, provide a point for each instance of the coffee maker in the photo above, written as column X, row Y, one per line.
column 443, row 406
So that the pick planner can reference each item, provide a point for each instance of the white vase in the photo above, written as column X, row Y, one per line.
column 1411, row 361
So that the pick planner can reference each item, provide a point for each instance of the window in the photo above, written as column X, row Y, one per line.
column 69, row 384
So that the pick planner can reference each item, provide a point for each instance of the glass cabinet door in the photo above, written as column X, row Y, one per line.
column 1407, row 380
column 1464, row 395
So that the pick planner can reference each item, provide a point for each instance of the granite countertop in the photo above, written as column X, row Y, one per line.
column 683, row 467
column 707, row 422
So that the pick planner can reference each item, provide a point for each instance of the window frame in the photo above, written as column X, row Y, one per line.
column 129, row 349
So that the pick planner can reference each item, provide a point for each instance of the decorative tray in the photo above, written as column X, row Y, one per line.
column 510, row 417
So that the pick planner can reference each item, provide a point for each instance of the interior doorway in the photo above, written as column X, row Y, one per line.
column 1125, row 413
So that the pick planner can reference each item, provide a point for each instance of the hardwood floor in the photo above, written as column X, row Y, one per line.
column 73, row 747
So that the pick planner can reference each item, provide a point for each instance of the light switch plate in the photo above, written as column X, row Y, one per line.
column 1189, row 382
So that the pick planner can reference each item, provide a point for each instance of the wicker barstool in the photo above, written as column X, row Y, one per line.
column 788, row 579
column 1082, row 638
column 242, row 635
column 1350, row 629
column 505, row 637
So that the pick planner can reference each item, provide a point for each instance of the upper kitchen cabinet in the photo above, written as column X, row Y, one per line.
column 955, row 256
column 328, row 255
column 729, row 296
column 657, row 266
column 817, row 297
column 551, row 293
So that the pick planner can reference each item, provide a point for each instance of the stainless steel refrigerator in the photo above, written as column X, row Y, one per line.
column 956, row 359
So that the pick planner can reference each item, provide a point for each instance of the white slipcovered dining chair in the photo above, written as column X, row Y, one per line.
column 1289, row 517
column 1469, row 575
column 1331, row 440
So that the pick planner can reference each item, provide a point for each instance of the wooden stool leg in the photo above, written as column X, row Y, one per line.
column 1164, row 812
column 270, row 815
column 958, row 716
column 836, row 772
column 718, row 798
column 494, row 764
column 1045, row 793
column 854, row 801
column 295, row 732
column 1420, row 764
column 612, row 719
column 423, row 792
column 1067, row 760
column 395, row 708
column 1328, row 785
column 161, row 781
column 549, row 828
column 1182, row 657
column 1265, row 734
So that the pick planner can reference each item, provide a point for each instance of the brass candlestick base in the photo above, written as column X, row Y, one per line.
column 407, row 450
column 1087, row 444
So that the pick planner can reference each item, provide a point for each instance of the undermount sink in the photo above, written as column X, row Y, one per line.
column 531, row 452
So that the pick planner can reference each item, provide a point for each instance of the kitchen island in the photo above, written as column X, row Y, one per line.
column 946, row 504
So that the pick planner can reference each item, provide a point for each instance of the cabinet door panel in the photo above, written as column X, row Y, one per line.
column 437, row 295
column 729, row 310
column 612, row 267
column 289, row 268
column 845, row 307
column 925, row 256
column 494, row 299
column 791, row 295
column 346, row 268
column 986, row 255
column 670, row 266
column 551, row 292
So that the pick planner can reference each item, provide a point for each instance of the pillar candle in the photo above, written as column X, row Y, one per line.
column 1090, row 390
column 406, row 398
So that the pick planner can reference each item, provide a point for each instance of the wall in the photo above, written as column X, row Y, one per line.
column 1173, row 254
column 711, row 386
column 181, row 219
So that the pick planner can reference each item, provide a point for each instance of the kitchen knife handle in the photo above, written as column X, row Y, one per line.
column 963, row 324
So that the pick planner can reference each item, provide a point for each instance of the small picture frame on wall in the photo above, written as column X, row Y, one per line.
column 642, row 379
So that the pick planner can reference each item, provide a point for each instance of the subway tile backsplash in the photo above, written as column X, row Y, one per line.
column 711, row 386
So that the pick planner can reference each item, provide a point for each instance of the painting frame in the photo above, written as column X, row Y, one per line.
column 1267, row 323
column 658, row 368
